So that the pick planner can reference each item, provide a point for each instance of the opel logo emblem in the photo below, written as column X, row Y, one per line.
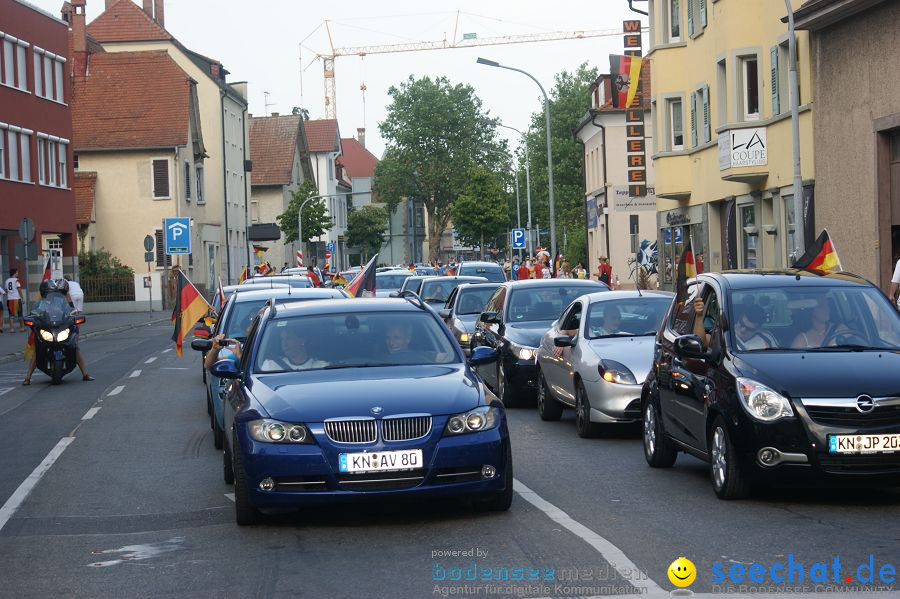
column 377, row 410
column 865, row 404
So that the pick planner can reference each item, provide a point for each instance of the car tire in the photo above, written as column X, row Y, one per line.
column 227, row 466
column 729, row 482
column 209, row 407
column 203, row 368
column 244, row 512
column 500, row 502
column 218, row 434
column 583, row 425
column 505, row 391
column 548, row 408
column 659, row 451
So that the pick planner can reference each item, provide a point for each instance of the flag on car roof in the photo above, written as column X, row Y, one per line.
column 243, row 276
column 363, row 284
column 820, row 256
column 624, row 76
column 221, row 293
column 190, row 306
column 687, row 269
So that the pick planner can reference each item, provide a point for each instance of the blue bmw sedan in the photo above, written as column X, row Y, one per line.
column 353, row 399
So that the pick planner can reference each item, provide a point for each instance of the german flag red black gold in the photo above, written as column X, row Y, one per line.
column 363, row 284
column 821, row 256
column 190, row 306
column 624, row 76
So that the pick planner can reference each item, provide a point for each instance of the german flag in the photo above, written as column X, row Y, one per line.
column 221, row 293
column 821, row 256
column 243, row 276
column 189, row 308
column 260, row 251
column 363, row 284
column 624, row 76
column 687, row 269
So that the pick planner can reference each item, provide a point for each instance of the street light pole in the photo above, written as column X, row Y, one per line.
column 492, row 63
column 527, row 185
column 799, row 221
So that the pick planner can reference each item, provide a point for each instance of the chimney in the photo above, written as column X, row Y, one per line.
column 148, row 8
column 275, row 114
column 361, row 136
column 109, row 3
column 159, row 12
column 79, row 39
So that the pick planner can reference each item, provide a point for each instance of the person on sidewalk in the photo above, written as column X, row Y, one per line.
column 604, row 271
column 895, row 284
column 13, row 297
column 3, row 303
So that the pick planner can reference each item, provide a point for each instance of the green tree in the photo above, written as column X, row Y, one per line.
column 316, row 219
column 102, row 263
column 434, row 131
column 366, row 227
column 481, row 210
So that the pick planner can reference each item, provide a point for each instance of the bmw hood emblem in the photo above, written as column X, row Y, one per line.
column 377, row 410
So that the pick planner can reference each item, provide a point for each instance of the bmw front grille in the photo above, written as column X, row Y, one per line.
column 365, row 430
column 351, row 430
column 405, row 428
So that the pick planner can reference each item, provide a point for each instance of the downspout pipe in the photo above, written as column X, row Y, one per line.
column 225, row 190
column 605, row 191
column 244, row 143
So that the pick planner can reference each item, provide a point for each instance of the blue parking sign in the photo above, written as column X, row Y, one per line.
column 177, row 235
column 518, row 239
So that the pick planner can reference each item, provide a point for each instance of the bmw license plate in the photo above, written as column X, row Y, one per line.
column 380, row 461
column 864, row 443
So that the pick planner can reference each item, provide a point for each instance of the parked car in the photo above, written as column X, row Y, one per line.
column 234, row 322
column 389, row 281
column 795, row 377
column 515, row 318
column 413, row 283
column 596, row 357
column 435, row 291
column 389, row 408
column 462, row 309
column 489, row 270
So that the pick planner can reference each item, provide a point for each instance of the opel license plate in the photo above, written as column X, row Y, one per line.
column 864, row 443
column 380, row 461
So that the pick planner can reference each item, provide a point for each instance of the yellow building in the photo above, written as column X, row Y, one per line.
column 723, row 155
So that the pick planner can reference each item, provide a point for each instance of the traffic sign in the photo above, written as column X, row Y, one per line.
column 178, row 235
column 149, row 257
column 26, row 229
column 331, row 246
column 148, row 243
column 518, row 239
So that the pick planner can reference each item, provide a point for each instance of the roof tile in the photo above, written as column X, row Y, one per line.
column 321, row 135
column 85, row 186
column 125, row 21
column 273, row 142
column 356, row 160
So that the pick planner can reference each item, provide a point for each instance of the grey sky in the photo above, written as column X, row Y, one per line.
column 259, row 42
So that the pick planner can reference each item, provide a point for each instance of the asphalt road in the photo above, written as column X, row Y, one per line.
column 128, row 501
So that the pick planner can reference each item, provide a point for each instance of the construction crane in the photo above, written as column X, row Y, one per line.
column 469, row 40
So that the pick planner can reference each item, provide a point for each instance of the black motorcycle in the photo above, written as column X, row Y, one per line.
column 54, row 328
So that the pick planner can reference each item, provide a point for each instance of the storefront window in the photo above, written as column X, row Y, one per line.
column 793, row 243
column 749, row 233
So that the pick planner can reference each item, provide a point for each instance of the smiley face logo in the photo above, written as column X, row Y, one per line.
column 682, row 572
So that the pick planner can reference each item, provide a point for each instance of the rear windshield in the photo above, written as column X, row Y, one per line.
column 390, row 281
column 494, row 274
column 545, row 302
column 472, row 301
column 437, row 291
column 358, row 340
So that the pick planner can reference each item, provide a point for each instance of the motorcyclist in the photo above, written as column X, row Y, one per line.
column 62, row 287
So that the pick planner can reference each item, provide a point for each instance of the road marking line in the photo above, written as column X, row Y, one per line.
column 90, row 413
column 230, row 496
column 150, row 360
column 6, row 390
column 116, row 391
column 612, row 554
column 167, row 350
column 135, row 374
column 19, row 495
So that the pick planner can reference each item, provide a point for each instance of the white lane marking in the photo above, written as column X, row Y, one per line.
column 19, row 495
column 5, row 390
column 90, row 413
column 230, row 496
column 150, row 360
column 612, row 554
column 174, row 368
column 167, row 350
column 116, row 391
column 134, row 374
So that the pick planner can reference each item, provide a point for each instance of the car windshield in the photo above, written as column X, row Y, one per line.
column 626, row 317
column 494, row 274
column 240, row 317
column 545, row 302
column 390, row 281
column 472, row 301
column 813, row 319
column 437, row 291
column 357, row 340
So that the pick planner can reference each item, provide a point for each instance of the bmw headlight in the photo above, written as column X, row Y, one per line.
column 761, row 402
column 523, row 352
column 46, row 335
column 616, row 372
column 273, row 431
column 62, row 335
column 477, row 420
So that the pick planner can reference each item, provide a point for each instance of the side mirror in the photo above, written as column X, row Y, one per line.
column 483, row 355
column 203, row 345
column 394, row 294
column 224, row 369
column 78, row 320
column 564, row 341
column 690, row 346
column 444, row 312
column 489, row 317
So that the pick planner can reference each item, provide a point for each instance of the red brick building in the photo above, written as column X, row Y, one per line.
column 36, row 170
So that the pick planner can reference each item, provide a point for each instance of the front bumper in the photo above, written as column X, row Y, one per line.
column 613, row 402
column 521, row 374
column 309, row 474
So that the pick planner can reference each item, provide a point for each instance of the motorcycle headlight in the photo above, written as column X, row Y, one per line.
column 273, row 431
column 46, row 335
column 62, row 335
column 474, row 421
column 616, row 372
column 762, row 402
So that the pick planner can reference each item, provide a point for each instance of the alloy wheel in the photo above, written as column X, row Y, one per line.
column 719, row 458
column 650, row 430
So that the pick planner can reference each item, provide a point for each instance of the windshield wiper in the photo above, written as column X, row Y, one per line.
column 850, row 347
column 355, row 365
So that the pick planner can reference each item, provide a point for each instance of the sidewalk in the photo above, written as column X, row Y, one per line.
column 12, row 345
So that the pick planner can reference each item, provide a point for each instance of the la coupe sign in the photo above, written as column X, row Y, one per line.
column 743, row 147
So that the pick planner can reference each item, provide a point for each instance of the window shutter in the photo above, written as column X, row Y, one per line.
column 693, row 120
column 776, row 103
column 160, row 178
column 187, row 180
column 690, row 11
column 706, row 128
column 703, row 13
column 161, row 258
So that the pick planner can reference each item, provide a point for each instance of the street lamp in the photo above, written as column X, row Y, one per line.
column 493, row 63
column 527, row 184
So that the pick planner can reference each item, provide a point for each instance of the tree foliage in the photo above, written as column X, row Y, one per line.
column 480, row 212
column 366, row 227
column 435, row 132
column 102, row 263
column 316, row 219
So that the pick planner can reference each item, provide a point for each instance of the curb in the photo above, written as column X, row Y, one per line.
column 125, row 327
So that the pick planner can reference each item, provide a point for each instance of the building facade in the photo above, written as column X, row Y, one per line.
column 857, row 130
column 36, row 170
column 723, row 152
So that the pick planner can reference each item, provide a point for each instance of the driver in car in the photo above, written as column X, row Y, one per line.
column 612, row 322
column 747, row 326
column 294, row 345
column 397, row 339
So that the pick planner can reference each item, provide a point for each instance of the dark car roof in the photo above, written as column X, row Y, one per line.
column 465, row 278
column 348, row 306
column 479, row 263
column 553, row 283
column 749, row 279
column 491, row 284
column 285, row 293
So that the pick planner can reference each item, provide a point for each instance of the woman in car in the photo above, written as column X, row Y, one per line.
column 821, row 328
